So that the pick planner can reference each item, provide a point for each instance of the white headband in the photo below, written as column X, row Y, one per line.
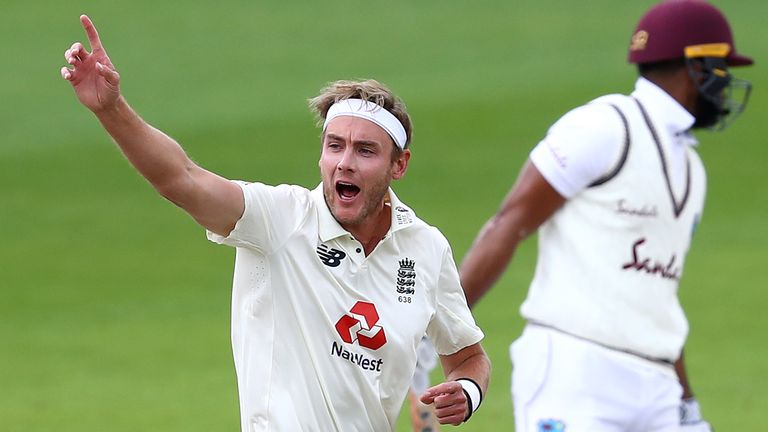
column 371, row 112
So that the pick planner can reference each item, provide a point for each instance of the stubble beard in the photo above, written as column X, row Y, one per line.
column 373, row 202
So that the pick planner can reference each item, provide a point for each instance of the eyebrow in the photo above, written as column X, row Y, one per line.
column 333, row 136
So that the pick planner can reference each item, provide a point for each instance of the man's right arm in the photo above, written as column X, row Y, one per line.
column 579, row 148
column 213, row 201
column 530, row 202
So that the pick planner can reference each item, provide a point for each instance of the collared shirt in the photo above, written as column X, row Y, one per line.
column 324, row 337
column 666, row 112
column 610, row 259
column 586, row 142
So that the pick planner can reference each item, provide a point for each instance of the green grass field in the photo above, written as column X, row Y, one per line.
column 114, row 308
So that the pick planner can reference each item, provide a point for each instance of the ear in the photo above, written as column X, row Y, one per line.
column 400, row 165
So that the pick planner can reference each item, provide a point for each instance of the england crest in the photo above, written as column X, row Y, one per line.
column 406, row 277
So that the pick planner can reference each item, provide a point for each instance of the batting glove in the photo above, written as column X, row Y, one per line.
column 690, row 417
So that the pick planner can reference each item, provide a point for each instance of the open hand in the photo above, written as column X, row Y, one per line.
column 92, row 75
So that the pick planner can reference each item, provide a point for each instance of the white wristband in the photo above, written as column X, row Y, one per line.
column 473, row 393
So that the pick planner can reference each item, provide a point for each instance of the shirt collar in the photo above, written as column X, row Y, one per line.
column 665, row 110
column 329, row 228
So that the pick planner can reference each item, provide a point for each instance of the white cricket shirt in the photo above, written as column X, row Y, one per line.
column 611, row 258
column 325, row 338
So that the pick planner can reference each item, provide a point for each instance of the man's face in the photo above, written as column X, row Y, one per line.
column 357, row 167
column 719, row 96
column 709, row 89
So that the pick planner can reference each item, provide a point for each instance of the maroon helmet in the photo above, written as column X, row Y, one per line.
column 684, row 28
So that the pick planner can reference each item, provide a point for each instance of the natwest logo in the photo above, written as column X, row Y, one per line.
column 360, row 325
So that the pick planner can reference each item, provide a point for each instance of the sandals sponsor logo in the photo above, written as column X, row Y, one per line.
column 647, row 211
column 639, row 263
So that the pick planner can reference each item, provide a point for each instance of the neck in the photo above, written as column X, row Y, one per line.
column 370, row 232
column 679, row 85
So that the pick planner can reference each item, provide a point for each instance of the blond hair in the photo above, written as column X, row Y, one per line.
column 369, row 90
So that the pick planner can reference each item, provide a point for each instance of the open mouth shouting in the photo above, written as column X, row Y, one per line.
column 347, row 192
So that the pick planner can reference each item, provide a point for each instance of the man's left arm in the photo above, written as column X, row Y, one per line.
column 690, row 411
column 467, row 373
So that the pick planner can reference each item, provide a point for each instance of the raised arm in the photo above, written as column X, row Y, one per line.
column 530, row 202
column 213, row 201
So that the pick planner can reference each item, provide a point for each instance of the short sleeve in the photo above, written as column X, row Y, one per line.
column 452, row 327
column 271, row 215
column 580, row 147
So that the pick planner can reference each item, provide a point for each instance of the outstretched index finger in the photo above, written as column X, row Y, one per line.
column 93, row 35
column 443, row 388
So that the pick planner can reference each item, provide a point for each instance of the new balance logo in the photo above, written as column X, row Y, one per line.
column 360, row 325
column 330, row 256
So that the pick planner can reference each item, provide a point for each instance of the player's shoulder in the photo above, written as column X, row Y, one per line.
column 433, row 236
column 280, row 189
column 615, row 102
column 417, row 228
column 599, row 118
column 612, row 99
column 596, row 111
column 279, row 196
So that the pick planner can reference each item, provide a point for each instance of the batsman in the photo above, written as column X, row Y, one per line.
column 616, row 190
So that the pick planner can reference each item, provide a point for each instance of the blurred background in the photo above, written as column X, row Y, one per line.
column 114, row 308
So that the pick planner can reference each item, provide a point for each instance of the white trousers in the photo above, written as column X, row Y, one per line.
column 561, row 383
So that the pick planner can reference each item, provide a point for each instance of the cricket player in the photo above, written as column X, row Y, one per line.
column 615, row 190
column 333, row 287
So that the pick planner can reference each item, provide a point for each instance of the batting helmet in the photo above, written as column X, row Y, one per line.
column 684, row 28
